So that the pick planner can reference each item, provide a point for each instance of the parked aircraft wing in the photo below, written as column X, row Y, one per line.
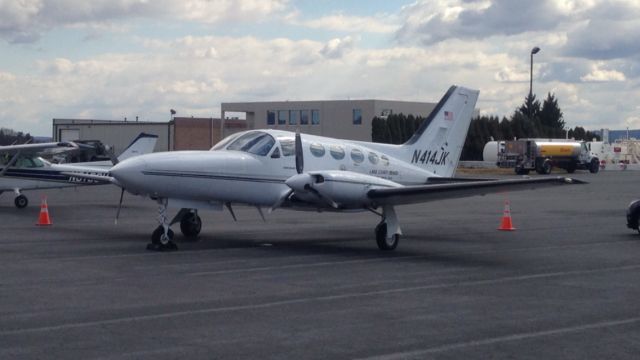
column 432, row 192
column 30, row 149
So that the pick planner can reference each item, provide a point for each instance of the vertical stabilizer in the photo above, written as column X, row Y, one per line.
column 436, row 146
column 143, row 144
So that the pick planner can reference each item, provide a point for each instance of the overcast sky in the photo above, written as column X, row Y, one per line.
column 110, row 59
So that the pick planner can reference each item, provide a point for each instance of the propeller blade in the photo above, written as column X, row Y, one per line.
column 281, row 200
column 299, row 156
column 112, row 156
column 326, row 199
column 119, row 206
column 261, row 214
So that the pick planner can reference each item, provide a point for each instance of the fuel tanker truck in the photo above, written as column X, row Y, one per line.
column 525, row 155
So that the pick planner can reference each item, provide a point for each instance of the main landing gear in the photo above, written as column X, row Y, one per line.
column 20, row 201
column 388, row 230
column 162, row 236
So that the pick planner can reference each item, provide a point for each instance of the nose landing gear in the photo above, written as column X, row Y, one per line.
column 162, row 236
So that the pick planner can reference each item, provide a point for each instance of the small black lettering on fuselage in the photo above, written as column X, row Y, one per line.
column 80, row 180
column 433, row 157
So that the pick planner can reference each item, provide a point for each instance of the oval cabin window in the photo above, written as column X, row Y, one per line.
column 357, row 155
column 337, row 152
column 317, row 149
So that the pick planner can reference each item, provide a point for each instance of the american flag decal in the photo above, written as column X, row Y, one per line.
column 448, row 115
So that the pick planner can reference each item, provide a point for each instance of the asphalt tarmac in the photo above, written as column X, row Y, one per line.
column 564, row 285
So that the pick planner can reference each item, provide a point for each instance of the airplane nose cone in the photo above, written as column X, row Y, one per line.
column 129, row 172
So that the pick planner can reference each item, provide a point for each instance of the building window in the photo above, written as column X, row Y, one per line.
column 282, row 117
column 315, row 117
column 304, row 117
column 271, row 117
column 293, row 117
column 357, row 116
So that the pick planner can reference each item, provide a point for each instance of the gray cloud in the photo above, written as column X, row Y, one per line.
column 604, row 39
column 430, row 25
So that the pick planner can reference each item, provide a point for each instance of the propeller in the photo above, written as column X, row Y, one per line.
column 302, row 182
column 119, row 206
column 299, row 155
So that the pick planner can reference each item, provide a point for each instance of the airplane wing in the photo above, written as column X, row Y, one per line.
column 29, row 149
column 440, row 191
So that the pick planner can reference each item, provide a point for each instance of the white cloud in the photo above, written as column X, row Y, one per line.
column 337, row 48
column 602, row 75
column 350, row 24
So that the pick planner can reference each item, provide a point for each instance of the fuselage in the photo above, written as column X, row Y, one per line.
column 252, row 167
column 32, row 172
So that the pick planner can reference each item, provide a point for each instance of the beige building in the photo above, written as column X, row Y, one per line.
column 346, row 119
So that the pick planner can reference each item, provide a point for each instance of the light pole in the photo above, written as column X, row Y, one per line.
column 535, row 50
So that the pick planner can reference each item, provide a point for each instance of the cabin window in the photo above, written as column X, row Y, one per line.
column 337, row 152
column 288, row 147
column 384, row 160
column 373, row 158
column 357, row 155
column 317, row 149
column 276, row 153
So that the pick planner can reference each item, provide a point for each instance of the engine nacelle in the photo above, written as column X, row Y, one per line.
column 346, row 189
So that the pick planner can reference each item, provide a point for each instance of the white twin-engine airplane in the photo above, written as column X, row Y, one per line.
column 280, row 169
column 21, row 167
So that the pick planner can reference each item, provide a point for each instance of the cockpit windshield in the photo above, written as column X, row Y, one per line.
column 254, row 142
column 24, row 161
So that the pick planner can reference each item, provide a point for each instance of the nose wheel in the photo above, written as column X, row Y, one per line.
column 162, row 236
column 161, row 241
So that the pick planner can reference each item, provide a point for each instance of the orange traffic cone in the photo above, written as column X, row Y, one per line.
column 505, row 224
column 43, row 219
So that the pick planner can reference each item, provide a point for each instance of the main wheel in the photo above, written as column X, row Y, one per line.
column 21, row 201
column 381, row 238
column 190, row 225
column 546, row 167
column 595, row 166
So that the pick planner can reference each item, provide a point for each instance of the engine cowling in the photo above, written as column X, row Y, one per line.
column 343, row 189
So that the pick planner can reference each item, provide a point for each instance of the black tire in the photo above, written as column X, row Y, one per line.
column 21, row 201
column 381, row 238
column 158, row 234
column 595, row 166
column 190, row 225
column 546, row 167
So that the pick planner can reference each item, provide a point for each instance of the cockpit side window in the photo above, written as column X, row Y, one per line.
column 276, row 153
column 257, row 143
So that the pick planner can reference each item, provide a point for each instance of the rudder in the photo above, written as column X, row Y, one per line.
column 437, row 144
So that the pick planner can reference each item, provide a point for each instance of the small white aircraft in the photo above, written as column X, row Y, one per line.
column 21, row 167
column 280, row 169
